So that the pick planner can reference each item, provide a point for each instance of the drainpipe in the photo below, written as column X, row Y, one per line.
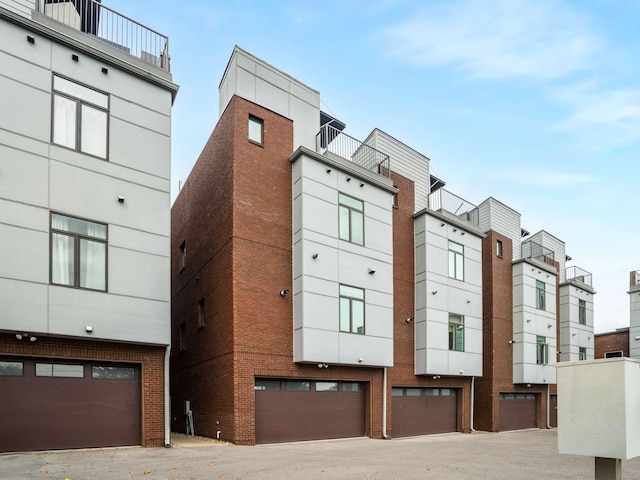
column 473, row 397
column 384, row 403
column 548, row 404
column 167, row 399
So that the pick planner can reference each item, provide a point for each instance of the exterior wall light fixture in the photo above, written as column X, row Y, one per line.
column 283, row 293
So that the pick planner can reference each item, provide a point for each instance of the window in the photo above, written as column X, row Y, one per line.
column 499, row 248
column 613, row 354
column 59, row 370
column 201, row 313
column 183, row 255
column 414, row 392
column 256, row 129
column 261, row 384
column 351, row 219
column 326, row 386
column 397, row 392
column 456, row 260
column 351, row 309
column 80, row 117
column 582, row 353
column 11, row 369
column 352, row 387
column 294, row 386
column 542, row 350
column 540, row 295
column 183, row 336
column 105, row 372
column 456, row 332
column 582, row 312
column 78, row 253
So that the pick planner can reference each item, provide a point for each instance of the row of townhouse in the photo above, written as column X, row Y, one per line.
column 327, row 287
column 85, row 130
column 322, row 287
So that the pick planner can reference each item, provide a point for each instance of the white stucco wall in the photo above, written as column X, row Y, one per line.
column 529, row 322
column 437, row 295
column 37, row 177
column 317, row 335
column 573, row 335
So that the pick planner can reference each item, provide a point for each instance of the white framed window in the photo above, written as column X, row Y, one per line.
column 80, row 117
column 541, row 299
column 582, row 353
column 542, row 350
column 456, row 332
column 351, row 223
column 256, row 129
column 614, row 354
column 201, row 317
column 78, row 253
column 499, row 248
column 456, row 260
column 351, row 309
column 582, row 312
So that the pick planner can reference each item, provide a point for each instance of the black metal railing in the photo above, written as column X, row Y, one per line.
column 332, row 140
column 111, row 27
column 443, row 199
column 578, row 274
column 531, row 249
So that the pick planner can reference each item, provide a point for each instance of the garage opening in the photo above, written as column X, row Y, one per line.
column 423, row 411
column 52, row 404
column 517, row 411
column 295, row 410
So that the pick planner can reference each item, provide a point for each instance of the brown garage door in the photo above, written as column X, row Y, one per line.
column 423, row 411
column 517, row 411
column 294, row 410
column 53, row 404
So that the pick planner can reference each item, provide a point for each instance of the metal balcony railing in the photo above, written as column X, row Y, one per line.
column 531, row 249
column 576, row 273
column 443, row 199
column 111, row 27
column 332, row 140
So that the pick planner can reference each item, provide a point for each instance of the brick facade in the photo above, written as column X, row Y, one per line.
column 150, row 358
column 611, row 342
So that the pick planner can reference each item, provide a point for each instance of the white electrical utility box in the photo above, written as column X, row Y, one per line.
column 599, row 408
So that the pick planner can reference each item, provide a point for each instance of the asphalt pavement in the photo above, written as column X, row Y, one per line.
column 527, row 454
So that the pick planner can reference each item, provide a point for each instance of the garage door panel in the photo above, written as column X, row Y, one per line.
column 285, row 416
column 43, row 412
column 424, row 414
column 517, row 411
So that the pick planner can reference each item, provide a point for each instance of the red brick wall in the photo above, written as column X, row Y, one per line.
column 149, row 357
column 611, row 341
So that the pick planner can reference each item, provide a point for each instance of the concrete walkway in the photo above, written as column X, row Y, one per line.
column 529, row 454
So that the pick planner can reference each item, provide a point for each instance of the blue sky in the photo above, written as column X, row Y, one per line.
column 536, row 103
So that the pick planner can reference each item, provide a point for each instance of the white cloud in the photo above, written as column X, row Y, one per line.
column 539, row 39
column 610, row 117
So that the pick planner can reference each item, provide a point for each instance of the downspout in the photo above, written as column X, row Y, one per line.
column 384, row 403
column 167, row 399
column 548, row 404
column 473, row 399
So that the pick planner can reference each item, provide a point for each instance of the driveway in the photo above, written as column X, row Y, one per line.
column 528, row 454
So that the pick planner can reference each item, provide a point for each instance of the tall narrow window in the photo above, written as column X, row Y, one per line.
column 351, row 309
column 201, row 313
column 183, row 254
column 499, row 248
column 256, row 129
column 540, row 295
column 582, row 353
column 351, row 219
column 456, row 332
column 456, row 260
column 542, row 350
column 582, row 312
column 80, row 117
column 78, row 253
